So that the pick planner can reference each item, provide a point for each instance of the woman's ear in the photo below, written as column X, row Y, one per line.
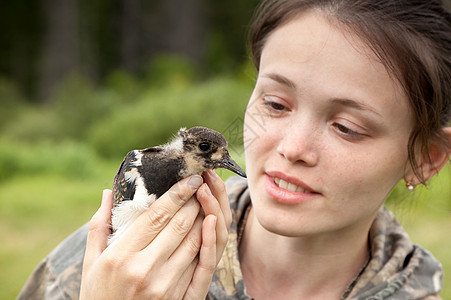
column 437, row 157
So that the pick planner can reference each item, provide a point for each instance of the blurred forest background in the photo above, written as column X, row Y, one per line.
column 84, row 82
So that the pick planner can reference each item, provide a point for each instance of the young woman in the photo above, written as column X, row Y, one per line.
column 352, row 96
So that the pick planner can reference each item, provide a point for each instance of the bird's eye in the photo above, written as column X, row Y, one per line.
column 204, row 146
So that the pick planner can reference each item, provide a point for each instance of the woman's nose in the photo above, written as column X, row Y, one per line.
column 298, row 144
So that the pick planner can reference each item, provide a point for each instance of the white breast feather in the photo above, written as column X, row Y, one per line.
column 127, row 211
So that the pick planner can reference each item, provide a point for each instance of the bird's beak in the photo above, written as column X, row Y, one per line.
column 229, row 164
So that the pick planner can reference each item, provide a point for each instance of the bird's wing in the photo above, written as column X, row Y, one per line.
column 152, row 149
column 124, row 183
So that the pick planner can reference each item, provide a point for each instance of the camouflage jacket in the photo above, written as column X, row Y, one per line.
column 397, row 268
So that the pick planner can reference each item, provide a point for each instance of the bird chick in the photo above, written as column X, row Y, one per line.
column 146, row 174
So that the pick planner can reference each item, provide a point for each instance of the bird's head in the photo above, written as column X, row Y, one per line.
column 206, row 149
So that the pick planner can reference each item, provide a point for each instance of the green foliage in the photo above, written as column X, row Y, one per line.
column 11, row 101
column 159, row 113
column 126, row 113
column 77, row 106
column 33, row 124
column 229, row 22
column 68, row 159
column 123, row 85
column 170, row 70
column 74, row 108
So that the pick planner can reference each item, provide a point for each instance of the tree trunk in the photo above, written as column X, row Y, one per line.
column 61, row 44
column 163, row 26
column 131, row 33
column 185, row 24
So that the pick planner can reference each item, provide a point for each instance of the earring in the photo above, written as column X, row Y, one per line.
column 410, row 185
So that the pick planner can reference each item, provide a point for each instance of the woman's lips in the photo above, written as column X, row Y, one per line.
column 288, row 190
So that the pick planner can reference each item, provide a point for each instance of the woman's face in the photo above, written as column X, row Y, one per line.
column 326, row 131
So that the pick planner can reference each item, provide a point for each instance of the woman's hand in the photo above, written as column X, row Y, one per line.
column 169, row 252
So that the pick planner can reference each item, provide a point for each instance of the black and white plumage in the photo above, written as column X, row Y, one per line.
column 146, row 174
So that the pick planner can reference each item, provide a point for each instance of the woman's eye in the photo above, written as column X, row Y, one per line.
column 347, row 132
column 273, row 104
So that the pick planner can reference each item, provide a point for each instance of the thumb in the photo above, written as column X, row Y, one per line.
column 99, row 230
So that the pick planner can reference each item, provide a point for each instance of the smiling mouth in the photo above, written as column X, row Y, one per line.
column 289, row 186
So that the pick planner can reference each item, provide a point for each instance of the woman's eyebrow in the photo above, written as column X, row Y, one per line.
column 280, row 79
column 340, row 101
column 356, row 105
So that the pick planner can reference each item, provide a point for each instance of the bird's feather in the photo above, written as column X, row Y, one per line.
column 153, row 149
column 145, row 175
column 124, row 183
column 123, row 188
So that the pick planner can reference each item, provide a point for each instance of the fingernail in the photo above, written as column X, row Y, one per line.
column 213, row 173
column 104, row 195
column 207, row 190
column 213, row 222
column 195, row 181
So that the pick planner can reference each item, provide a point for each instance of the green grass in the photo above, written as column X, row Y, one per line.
column 37, row 211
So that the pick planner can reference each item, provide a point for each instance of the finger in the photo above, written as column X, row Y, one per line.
column 99, row 230
column 174, row 275
column 218, row 190
column 147, row 226
column 183, row 283
column 172, row 236
column 211, row 207
column 203, row 273
column 188, row 248
column 178, row 270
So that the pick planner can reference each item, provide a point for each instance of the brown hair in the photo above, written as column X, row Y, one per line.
column 412, row 38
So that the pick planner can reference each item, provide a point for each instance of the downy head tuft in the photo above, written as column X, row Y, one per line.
column 205, row 148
